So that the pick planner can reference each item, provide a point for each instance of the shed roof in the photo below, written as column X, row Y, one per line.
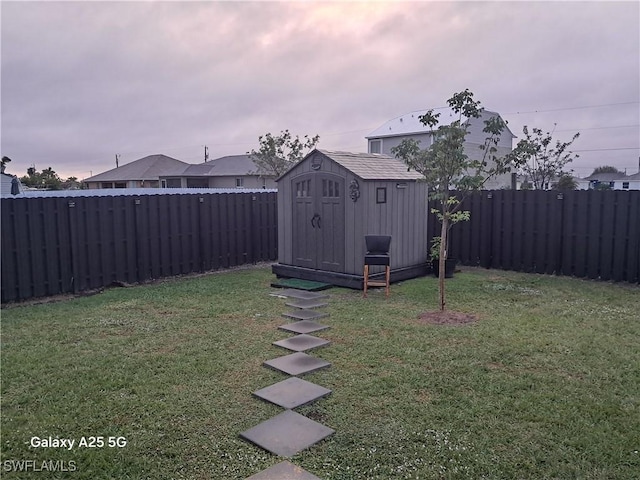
column 373, row 166
column 146, row 168
column 410, row 123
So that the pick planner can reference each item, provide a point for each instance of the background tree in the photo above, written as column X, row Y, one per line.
column 279, row 153
column 565, row 182
column 446, row 167
column 540, row 160
column 4, row 162
column 48, row 179
column 605, row 169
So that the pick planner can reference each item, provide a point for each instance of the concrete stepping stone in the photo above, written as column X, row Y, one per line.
column 305, row 315
column 297, row 363
column 310, row 303
column 303, row 326
column 292, row 393
column 287, row 433
column 284, row 471
column 302, row 294
column 301, row 343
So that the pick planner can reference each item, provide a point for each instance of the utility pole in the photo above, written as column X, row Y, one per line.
column 117, row 160
column 206, row 154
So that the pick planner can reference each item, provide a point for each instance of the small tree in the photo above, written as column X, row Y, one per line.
column 446, row 166
column 565, row 182
column 277, row 154
column 540, row 160
column 4, row 162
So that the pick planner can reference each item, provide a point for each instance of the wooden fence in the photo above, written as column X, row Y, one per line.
column 585, row 233
column 61, row 245
column 55, row 245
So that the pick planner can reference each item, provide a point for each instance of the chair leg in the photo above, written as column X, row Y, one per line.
column 388, row 277
column 365, row 279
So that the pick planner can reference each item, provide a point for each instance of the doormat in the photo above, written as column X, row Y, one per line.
column 307, row 285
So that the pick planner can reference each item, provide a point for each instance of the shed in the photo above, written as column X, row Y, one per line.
column 329, row 201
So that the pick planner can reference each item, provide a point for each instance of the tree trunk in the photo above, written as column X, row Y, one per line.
column 443, row 257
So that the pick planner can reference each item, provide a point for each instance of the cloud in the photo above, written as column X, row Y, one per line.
column 82, row 81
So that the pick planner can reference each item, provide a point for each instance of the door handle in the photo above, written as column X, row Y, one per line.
column 313, row 220
column 319, row 221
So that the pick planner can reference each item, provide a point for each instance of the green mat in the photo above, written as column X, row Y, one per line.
column 307, row 285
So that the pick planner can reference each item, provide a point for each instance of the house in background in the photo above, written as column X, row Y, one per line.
column 614, row 181
column 160, row 171
column 10, row 185
column 390, row 134
column 232, row 171
column 142, row 173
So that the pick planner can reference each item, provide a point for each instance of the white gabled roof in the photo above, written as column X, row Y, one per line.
column 410, row 123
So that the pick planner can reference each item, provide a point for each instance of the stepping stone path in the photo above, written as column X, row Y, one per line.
column 288, row 433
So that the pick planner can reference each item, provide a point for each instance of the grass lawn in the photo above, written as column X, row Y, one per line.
column 546, row 384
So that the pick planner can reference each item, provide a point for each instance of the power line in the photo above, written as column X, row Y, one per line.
column 597, row 128
column 573, row 108
column 607, row 149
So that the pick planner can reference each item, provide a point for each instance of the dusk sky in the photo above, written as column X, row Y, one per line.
column 84, row 81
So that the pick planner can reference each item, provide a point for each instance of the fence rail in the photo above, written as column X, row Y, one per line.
column 585, row 233
column 62, row 245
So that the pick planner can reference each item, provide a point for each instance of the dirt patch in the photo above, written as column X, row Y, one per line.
column 447, row 317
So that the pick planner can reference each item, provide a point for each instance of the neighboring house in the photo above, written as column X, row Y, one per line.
column 615, row 181
column 634, row 182
column 7, row 181
column 232, row 171
column 142, row 173
column 390, row 134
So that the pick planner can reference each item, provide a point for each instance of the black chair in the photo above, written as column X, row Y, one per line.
column 377, row 254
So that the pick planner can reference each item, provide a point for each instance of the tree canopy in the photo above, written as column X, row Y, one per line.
column 565, row 182
column 47, row 179
column 279, row 153
column 605, row 169
column 446, row 167
column 540, row 160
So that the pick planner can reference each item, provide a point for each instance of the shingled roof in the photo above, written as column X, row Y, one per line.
column 372, row 166
column 147, row 168
column 229, row 166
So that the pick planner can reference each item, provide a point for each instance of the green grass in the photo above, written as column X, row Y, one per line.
column 545, row 385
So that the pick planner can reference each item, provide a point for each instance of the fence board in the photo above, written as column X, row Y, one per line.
column 589, row 234
column 53, row 245
column 61, row 245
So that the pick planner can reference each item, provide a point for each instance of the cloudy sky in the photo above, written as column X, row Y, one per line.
column 84, row 81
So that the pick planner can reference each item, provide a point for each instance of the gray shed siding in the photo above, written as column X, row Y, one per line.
column 285, row 200
column 403, row 216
